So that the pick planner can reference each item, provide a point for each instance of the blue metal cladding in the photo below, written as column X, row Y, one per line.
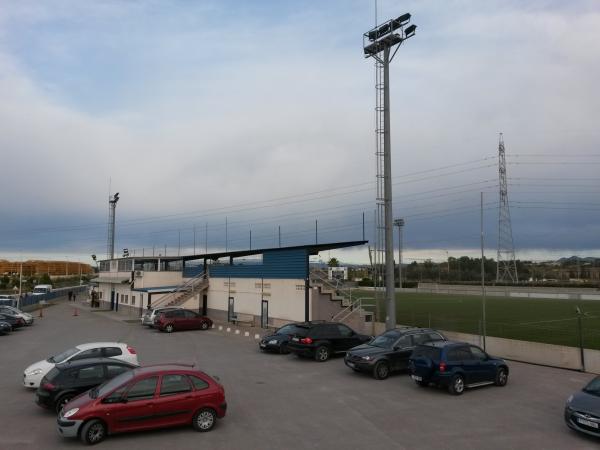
column 277, row 264
column 192, row 271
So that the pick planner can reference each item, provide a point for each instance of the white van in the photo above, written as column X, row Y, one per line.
column 41, row 289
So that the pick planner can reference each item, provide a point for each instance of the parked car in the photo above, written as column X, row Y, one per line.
column 181, row 319
column 456, row 366
column 118, row 350
column 7, row 300
column 582, row 411
column 28, row 318
column 323, row 339
column 5, row 327
column 14, row 320
column 389, row 352
column 142, row 399
column 152, row 314
column 278, row 341
column 67, row 380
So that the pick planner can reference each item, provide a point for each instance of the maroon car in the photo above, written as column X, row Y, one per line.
column 142, row 399
column 181, row 319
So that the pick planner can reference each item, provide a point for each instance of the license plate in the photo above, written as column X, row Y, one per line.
column 417, row 378
column 588, row 423
column 295, row 339
column 263, row 345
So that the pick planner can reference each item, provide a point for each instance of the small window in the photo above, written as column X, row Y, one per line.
column 434, row 337
column 112, row 351
column 174, row 384
column 143, row 389
column 190, row 314
column 405, row 342
column 116, row 396
column 198, row 383
column 478, row 353
column 453, row 355
column 421, row 338
column 133, row 299
column 90, row 373
column 112, row 370
column 91, row 353
column 100, row 295
column 345, row 331
column 462, row 354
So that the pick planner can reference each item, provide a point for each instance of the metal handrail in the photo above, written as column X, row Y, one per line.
column 356, row 304
column 185, row 288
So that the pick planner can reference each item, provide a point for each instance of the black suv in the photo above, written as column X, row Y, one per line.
column 456, row 365
column 389, row 352
column 277, row 341
column 321, row 340
column 67, row 380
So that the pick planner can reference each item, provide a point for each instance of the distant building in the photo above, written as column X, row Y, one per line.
column 337, row 273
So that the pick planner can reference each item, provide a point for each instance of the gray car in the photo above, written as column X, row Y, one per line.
column 151, row 314
column 582, row 411
column 28, row 318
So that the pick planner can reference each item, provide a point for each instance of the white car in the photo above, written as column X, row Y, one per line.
column 150, row 314
column 118, row 350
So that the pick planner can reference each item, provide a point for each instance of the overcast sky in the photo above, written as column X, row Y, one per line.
column 261, row 114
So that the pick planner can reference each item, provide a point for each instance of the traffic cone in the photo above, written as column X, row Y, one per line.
column 75, row 312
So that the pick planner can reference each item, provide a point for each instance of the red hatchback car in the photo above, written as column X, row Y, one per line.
column 145, row 398
column 181, row 319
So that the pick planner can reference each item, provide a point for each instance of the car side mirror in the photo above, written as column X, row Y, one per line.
column 396, row 348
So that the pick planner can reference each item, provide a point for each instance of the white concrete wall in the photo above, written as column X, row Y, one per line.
column 285, row 297
column 531, row 352
column 158, row 279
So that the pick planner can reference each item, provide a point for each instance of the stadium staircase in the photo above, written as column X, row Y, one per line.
column 184, row 291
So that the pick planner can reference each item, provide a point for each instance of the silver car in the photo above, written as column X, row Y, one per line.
column 28, row 318
column 150, row 314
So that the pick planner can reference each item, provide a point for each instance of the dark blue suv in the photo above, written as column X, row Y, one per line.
column 456, row 365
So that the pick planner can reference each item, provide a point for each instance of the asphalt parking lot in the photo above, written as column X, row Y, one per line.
column 283, row 402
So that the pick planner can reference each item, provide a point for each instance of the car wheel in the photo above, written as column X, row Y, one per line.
column 204, row 326
column 457, row 385
column 501, row 377
column 93, row 432
column 169, row 328
column 62, row 401
column 322, row 353
column 204, row 419
column 381, row 370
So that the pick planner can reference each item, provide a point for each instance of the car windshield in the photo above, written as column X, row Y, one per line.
column 110, row 385
column 386, row 340
column 63, row 356
column 593, row 387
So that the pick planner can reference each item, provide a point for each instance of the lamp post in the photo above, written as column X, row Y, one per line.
column 399, row 223
column 381, row 43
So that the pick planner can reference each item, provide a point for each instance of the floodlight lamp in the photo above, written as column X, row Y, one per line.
column 94, row 257
column 410, row 31
column 401, row 21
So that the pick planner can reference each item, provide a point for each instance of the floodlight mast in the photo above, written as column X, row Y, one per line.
column 381, row 43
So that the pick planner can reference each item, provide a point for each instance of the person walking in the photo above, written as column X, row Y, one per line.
column 73, row 297
column 70, row 294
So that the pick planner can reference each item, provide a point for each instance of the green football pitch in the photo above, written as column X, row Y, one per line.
column 540, row 320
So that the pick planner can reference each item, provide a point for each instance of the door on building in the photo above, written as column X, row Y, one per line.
column 112, row 300
column 204, row 305
column 230, row 310
column 264, row 313
column 117, row 301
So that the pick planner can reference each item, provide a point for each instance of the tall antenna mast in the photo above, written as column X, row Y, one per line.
column 506, row 267
column 381, row 43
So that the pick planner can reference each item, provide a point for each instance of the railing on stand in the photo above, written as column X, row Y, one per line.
column 184, row 291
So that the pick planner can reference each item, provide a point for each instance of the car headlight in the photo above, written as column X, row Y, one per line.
column 71, row 412
column 273, row 342
column 34, row 372
column 366, row 358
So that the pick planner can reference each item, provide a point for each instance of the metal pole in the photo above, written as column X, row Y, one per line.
column 20, row 284
column 279, row 235
column 363, row 225
column 250, row 239
column 390, row 288
column 179, row 244
column 482, row 276
column 400, row 257
column 316, row 232
column 194, row 239
column 206, row 238
column 225, row 233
